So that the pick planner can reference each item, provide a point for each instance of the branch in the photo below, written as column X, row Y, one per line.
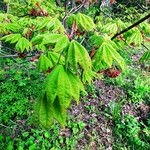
column 7, row 56
column 130, row 27
column 58, row 2
column 145, row 47
column 73, row 10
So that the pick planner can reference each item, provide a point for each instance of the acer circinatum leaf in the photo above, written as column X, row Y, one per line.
column 77, row 55
column 85, row 22
column 106, row 54
column 23, row 44
column 61, row 87
column 12, row 38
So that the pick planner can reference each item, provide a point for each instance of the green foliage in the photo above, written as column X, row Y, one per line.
column 77, row 55
column 115, row 110
column 12, row 38
column 135, row 83
column 106, row 54
column 31, row 138
column 83, row 21
column 134, row 37
column 44, row 63
column 23, row 44
column 16, row 89
column 145, row 57
column 61, row 87
column 129, row 128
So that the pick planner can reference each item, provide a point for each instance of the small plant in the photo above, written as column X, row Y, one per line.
column 128, row 128
column 114, row 110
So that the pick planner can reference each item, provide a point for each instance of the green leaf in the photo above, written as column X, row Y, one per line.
column 110, row 28
column 106, row 54
column 43, row 112
column 44, row 63
column 59, row 112
column 145, row 26
column 61, row 44
column 60, row 83
column 53, row 38
column 61, row 87
column 55, row 25
column 15, row 27
column 77, row 55
column 23, row 44
column 145, row 57
column 135, row 37
column 71, row 19
column 85, row 22
column 37, row 39
column 55, row 57
column 12, row 38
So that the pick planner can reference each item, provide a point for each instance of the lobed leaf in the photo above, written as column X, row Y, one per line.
column 23, row 44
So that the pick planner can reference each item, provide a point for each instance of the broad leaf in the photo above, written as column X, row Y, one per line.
column 85, row 22
column 111, row 28
column 134, row 37
column 23, row 44
column 43, row 111
column 12, row 38
column 77, row 55
column 44, row 63
column 145, row 57
column 61, row 87
column 55, row 58
column 60, row 83
column 106, row 54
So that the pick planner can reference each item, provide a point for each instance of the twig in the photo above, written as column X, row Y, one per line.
column 8, row 48
column 7, row 56
column 8, row 6
column 73, row 10
column 82, row 41
column 4, row 126
column 130, row 27
column 145, row 46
